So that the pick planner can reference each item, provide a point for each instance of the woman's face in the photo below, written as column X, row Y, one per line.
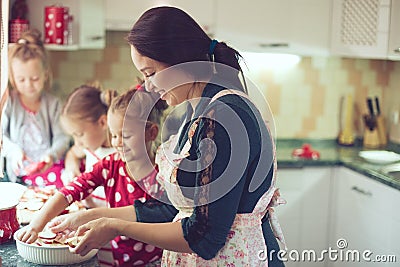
column 29, row 76
column 86, row 134
column 164, row 83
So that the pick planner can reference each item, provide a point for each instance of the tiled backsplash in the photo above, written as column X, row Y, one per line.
column 304, row 99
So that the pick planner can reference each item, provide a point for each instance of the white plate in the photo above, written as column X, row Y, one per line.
column 379, row 156
column 10, row 193
column 46, row 255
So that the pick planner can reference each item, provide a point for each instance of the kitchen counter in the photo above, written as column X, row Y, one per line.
column 332, row 154
column 10, row 257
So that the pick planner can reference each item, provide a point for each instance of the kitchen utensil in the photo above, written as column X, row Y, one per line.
column 370, row 107
column 49, row 254
column 380, row 124
column 379, row 156
column 346, row 135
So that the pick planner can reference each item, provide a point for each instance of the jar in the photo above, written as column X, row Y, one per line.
column 17, row 27
column 56, row 25
column 8, row 221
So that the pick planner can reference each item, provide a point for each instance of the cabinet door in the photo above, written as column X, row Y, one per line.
column 360, row 28
column 365, row 216
column 122, row 14
column 394, row 36
column 287, row 26
column 88, row 29
column 304, row 219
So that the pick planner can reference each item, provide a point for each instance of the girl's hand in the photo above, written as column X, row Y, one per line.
column 28, row 234
column 49, row 162
column 68, row 222
column 96, row 233
column 17, row 158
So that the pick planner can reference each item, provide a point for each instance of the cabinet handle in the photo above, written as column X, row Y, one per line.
column 361, row 191
column 397, row 50
column 96, row 38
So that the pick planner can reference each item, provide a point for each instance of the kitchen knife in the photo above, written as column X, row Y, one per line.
column 370, row 106
column 378, row 108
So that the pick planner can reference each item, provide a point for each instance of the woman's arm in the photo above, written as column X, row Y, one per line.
column 163, row 235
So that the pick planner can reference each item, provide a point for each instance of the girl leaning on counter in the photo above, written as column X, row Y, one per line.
column 218, row 171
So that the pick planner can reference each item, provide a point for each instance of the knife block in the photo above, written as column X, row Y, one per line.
column 380, row 125
column 371, row 138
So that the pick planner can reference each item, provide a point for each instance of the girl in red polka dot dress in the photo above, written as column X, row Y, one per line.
column 113, row 172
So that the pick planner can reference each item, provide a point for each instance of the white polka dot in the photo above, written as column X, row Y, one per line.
column 52, row 177
column 149, row 248
column 104, row 172
column 138, row 262
column 69, row 187
column 126, row 257
column 47, row 24
column 91, row 183
column 77, row 183
column 66, row 16
column 47, row 40
column 121, row 171
column 50, row 33
column 130, row 188
column 28, row 182
column 142, row 199
column 108, row 158
column 111, row 182
column 69, row 198
column 58, row 40
column 39, row 180
column 65, row 33
column 114, row 244
column 124, row 237
column 117, row 197
column 58, row 24
column 154, row 258
column 138, row 246
column 50, row 16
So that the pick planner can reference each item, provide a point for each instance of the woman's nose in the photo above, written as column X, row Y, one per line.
column 149, row 86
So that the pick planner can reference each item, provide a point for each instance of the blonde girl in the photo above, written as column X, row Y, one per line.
column 33, row 140
column 84, row 117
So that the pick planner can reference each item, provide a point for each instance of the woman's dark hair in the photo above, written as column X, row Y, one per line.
column 171, row 36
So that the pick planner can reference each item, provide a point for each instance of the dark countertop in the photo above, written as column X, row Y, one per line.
column 332, row 154
column 10, row 257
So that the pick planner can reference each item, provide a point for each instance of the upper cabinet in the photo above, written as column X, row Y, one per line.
column 394, row 34
column 366, row 29
column 122, row 14
column 88, row 30
column 288, row 26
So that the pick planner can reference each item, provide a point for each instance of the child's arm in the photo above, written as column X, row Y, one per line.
column 72, row 164
column 53, row 207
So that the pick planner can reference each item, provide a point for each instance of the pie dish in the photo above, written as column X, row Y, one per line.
column 379, row 156
column 49, row 254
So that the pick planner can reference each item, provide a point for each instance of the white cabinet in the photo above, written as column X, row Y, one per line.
column 88, row 31
column 360, row 28
column 394, row 36
column 366, row 215
column 122, row 14
column 287, row 26
column 305, row 217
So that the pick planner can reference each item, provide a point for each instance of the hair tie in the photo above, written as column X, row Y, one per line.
column 212, row 47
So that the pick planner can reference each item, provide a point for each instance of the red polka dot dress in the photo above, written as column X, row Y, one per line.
column 120, row 191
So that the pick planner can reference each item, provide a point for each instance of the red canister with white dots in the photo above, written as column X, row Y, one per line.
column 56, row 20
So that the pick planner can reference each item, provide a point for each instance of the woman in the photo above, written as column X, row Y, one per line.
column 218, row 170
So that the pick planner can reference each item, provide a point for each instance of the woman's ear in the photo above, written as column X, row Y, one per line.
column 151, row 132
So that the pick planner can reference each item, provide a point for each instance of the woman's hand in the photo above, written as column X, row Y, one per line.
column 17, row 160
column 96, row 233
column 28, row 234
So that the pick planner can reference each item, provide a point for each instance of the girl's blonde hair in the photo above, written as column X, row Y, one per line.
column 88, row 102
column 28, row 47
